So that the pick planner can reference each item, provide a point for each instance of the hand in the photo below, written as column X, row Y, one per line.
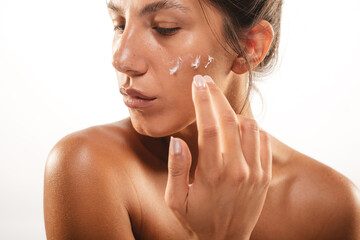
column 233, row 171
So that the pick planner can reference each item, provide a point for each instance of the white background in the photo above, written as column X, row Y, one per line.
column 56, row 77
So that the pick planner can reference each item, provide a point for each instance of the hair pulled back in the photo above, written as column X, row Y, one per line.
column 239, row 16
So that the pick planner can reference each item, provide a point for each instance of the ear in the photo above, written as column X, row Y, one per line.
column 257, row 43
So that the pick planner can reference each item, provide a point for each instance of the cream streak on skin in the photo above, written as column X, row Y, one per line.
column 177, row 67
column 211, row 59
column 196, row 64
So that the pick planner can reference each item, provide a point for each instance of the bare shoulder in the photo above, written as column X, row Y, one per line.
column 327, row 203
column 116, row 133
column 93, row 149
column 87, row 191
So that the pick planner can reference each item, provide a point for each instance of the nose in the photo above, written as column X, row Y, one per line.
column 128, row 54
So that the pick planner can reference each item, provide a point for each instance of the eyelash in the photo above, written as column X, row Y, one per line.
column 161, row 31
column 166, row 31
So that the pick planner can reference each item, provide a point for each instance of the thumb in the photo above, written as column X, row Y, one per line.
column 178, row 175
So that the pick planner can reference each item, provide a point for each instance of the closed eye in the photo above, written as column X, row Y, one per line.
column 166, row 31
column 162, row 31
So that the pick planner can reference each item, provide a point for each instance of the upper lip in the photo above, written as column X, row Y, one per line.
column 134, row 93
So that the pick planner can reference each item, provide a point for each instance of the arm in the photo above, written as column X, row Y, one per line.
column 333, row 204
column 347, row 213
column 80, row 200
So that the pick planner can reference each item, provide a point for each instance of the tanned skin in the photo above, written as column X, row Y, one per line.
column 231, row 180
column 104, row 183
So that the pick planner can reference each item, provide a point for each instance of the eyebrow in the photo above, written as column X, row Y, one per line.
column 152, row 7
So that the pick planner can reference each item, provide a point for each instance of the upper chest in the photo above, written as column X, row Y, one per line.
column 280, row 217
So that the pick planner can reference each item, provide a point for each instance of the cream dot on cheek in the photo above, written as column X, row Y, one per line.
column 177, row 67
column 211, row 59
column 196, row 64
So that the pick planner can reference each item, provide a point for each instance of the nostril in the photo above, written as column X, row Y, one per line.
column 124, row 81
column 123, row 91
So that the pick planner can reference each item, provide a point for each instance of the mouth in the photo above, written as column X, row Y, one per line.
column 138, row 102
column 135, row 94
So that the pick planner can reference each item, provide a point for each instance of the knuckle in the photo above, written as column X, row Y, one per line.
column 210, row 131
column 255, row 177
column 229, row 119
column 214, row 179
column 260, row 179
column 265, row 136
column 239, row 176
column 240, row 117
column 250, row 125
column 171, row 202
column 175, row 171
column 266, row 179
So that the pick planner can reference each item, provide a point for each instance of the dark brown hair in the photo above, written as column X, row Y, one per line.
column 239, row 16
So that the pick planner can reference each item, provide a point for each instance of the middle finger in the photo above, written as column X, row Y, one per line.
column 229, row 125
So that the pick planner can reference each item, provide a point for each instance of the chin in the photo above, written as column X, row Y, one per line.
column 150, row 132
column 158, row 128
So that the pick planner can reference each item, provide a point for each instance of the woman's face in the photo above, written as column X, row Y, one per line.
column 158, row 47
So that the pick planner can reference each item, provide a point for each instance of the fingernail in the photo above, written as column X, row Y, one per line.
column 175, row 146
column 208, row 79
column 199, row 81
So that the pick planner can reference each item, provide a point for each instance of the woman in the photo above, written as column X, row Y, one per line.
column 191, row 162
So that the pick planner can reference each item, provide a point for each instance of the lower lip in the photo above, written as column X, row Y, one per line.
column 133, row 102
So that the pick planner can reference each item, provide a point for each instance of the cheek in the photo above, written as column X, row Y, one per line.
column 177, row 81
column 177, row 111
column 175, row 78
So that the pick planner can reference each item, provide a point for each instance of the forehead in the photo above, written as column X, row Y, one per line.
column 148, row 6
column 197, row 11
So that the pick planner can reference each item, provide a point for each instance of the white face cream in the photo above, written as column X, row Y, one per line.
column 196, row 64
column 177, row 67
column 211, row 59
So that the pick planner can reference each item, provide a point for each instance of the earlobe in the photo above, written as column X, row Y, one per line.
column 240, row 65
column 257, row 44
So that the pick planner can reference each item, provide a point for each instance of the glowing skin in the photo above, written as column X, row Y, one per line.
column 144, row 59
column 129, row 170
column 177, row 67
column 196, row 64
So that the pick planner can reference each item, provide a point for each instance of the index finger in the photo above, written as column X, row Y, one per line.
column 209, row 133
